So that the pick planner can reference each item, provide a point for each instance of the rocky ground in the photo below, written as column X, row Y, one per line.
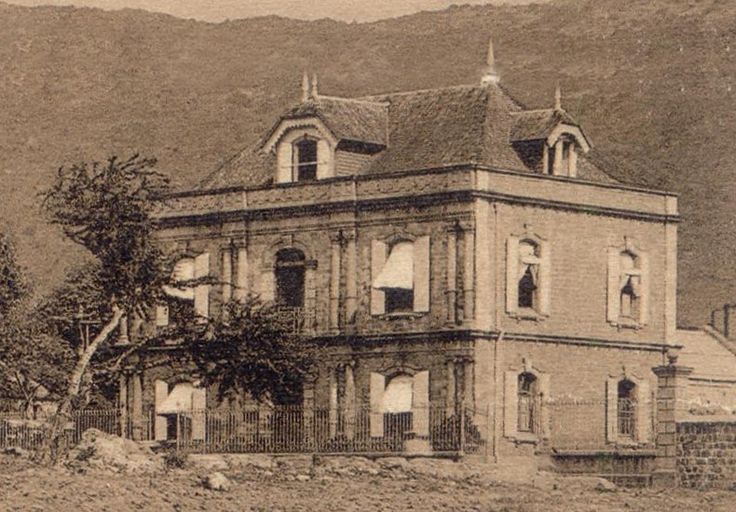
column 89, row 482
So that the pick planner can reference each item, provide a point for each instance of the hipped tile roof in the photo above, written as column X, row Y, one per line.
column 419, row 129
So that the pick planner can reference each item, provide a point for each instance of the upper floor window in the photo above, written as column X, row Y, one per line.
column 400, row 275
column 185, row 298
column 305, row 160
column 528, row 276
column 628, row 286
column 396, row 278
column 290, row 271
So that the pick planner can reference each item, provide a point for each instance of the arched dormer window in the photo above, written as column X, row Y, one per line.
column 562, row 157
column 305, row 160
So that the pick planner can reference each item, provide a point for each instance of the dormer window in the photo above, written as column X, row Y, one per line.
column 562, row 157
column 305, row 160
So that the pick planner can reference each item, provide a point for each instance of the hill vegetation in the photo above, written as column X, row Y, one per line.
column 652, row 82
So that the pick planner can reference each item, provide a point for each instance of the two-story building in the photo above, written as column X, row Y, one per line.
column 446, row 247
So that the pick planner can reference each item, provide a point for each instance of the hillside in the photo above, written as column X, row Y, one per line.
column 651, row 82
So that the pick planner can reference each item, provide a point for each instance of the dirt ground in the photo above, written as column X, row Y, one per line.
column 25, row 486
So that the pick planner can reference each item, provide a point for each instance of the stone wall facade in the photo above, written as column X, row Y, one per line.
column 706, row 454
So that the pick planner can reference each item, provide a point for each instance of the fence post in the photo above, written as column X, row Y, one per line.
column 672, row 381
column 462, row 429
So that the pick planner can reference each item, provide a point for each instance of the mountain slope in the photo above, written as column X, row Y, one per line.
column 650, row 81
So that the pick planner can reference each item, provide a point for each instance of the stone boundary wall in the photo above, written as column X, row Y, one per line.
column 706, row 454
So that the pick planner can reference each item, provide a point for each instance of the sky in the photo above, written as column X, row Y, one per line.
column 219, row 10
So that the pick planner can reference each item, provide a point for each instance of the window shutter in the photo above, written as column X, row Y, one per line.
column 611, row 410
column 162, row 315
column 268, row 286
column 614, row 276
column 378, row 384
column 545, row 272
column 644, row 300
column 227, row 276
column 643, row 412
column 510, row 403
column 512, row 274
column 420, row 404
column 421, row 275
column 378, row 260
column 349, row 407
column 202, row 291
column 544, row 405
column 241, row 274
column 284, row 163
column 323, row 159
column 333, row 403
column 199, row 416
column 159, row 427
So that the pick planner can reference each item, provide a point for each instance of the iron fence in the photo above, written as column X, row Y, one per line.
column 575, row 424
column 292, row 429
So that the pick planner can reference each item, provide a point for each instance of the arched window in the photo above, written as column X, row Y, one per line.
column 528, row 279
column 397, row 278
column 305, row 160
column 527, row 402
column 626, row 416
column 290, row 270
column 629, row 286
column 180, row 296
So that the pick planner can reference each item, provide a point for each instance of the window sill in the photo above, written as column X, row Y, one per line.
column 409, row 315
column 627, row 323
column 528, row 314
column 525, row 438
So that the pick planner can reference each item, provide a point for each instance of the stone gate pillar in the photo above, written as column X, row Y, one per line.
column 672, row 382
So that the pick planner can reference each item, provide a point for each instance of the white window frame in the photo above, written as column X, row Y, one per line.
column 617, row 279
column 643, row 433
column 543, row 261
column 420, row 278
column 511, row 405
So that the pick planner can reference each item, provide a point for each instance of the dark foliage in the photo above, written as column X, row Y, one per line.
column 108, row 209
column 252, row 349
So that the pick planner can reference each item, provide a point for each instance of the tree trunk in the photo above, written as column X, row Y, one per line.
column 54, row 443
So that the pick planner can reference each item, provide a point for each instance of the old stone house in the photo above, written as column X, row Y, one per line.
column 446, row 246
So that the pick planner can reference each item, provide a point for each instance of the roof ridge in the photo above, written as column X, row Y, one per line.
column 353, row 100
column 428, row 89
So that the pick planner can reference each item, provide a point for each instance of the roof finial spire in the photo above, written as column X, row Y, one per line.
column 315, row 93
column 305, row 87
column 490, row 76
column 558, row 97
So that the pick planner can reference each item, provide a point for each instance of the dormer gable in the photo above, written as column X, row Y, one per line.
column 549, row 140
column 310, row 139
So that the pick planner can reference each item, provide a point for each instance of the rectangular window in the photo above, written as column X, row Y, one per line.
column 401, row 280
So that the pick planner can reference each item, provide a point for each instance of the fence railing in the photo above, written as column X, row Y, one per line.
column 288, row 429
column 275, row 429
column 576, row 424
